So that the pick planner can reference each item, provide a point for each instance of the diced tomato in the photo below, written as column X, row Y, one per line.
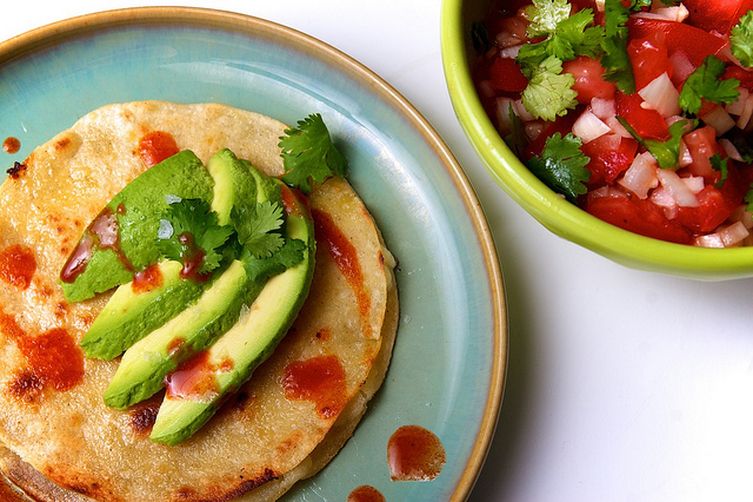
column 694, row 42
column 649, row 124
column 505, row 76
column 562, row 125
column 640, row 216
column 509, row 31
column 702, row 145
column 607, row 162
column 744, row 76
column 649, row 58
column 719, row 15
column 589, row 79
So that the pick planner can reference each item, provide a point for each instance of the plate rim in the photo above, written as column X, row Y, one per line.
column 51, row 34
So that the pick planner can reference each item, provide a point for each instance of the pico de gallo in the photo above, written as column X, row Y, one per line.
column 638, row 111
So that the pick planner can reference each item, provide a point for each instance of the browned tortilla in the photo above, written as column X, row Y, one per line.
column 263, row 440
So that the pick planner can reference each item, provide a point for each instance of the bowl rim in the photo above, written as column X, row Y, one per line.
column 66, row 29
column 554, row 212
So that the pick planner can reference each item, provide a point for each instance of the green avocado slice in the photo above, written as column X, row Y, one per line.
column 120, row 241
column 144, row 366
column 232, row 359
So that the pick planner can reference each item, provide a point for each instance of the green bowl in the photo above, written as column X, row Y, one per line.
column 549, row 208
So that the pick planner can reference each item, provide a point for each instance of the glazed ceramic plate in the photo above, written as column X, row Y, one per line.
column 449, row 359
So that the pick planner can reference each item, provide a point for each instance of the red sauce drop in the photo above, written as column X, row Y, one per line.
column 11, row 145
column 175, row 345
column 293, row 200
column 78, row 260
column 121, row 209
column 321, row 380
column 193, row 259
column 195, row 379
column 366, row 493
column 17, row 265
column 53, row 356
column 17, row 170
column 414, row 454
column 147, row 280
column 156, row 146
column 345, row 256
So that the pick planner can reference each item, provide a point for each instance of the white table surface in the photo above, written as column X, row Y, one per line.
column 622, row 385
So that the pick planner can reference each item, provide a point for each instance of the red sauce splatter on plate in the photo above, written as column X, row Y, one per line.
column 17, row 265
column 366, row 493
column 11, row 145
column 195, row 379
column 414, row 454
column 147, row 280
column 320, row 380
column 53, row 357
column 156, row 146
column 345, row 255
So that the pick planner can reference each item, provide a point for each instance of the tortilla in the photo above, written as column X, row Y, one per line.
column 263, row 440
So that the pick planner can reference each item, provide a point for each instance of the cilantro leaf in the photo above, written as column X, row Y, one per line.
column 704, row 83
column 517, row 139
column 749, row 200
column 639, row 4
column 545, row 15
column 309, row 154
column 666, row 153
column 190, row 224
column 550, row 92
column 616, row 63
column 720, row 164
column 741, row 39
column 257, row 226
column 290, row 254
column 562, row 165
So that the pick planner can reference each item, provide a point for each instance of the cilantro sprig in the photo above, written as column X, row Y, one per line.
column 720, row 164
column 666, row 153
column 616, row 63
column 309, row 155
column 705, row 83
column 741, row 39
column 190, row 224
column 545, row 15
column 260, row 268
column 257, row 228
column 562, row 165
column 550, row 93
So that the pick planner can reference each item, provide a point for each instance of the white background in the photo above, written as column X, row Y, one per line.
column 622, row 385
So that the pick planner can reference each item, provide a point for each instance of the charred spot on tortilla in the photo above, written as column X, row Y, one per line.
column 17, row 170
column 267, row 437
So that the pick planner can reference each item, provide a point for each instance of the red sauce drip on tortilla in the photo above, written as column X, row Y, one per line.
column 156, row 146
column 53, row 356
column 11, row 145
column 17, row 265
column 17, row 170
column 193, row 259
column 194, row 378
column 414, row 454
column 366, row 493
column 293, row 200
column 148, row 279
column 321, row 380
column 345, row 256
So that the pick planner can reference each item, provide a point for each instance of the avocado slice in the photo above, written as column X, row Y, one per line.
column 130, row 314
column 235, row 185
column 129, row 223
column 144, row 366
column 232, row 359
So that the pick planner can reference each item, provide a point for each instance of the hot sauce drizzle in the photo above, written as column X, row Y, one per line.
column 345, row 256
column 53, row 357
column 156, row 146
column 17, row 265
column 11, row 145
column 193, row 259
column 195, row 379
column 366, row 493
column 147, row 280
column 414, row 454
column 321, row 380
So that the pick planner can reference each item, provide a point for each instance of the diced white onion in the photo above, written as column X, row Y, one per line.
column 742, row 215
column 733, row 234
column 617, row 128
column 503, row 114
column 732, row 151
column 607, row 191
column 709, row 241
column 684, row 158
column 747, row 113
column 677, row 14
column 738, row 107
column 719, row 119
column 694, row 183
column 660, row 95
column 682, row 67
column 600, row 5
column 510, row 52
column 677, row 189
column 589, row 127
column 641, row 175
column 520, row 111
column 534, row 129
column 603, row 108
column 662, row 197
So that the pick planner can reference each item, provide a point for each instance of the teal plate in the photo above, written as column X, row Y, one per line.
column 449, row 360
